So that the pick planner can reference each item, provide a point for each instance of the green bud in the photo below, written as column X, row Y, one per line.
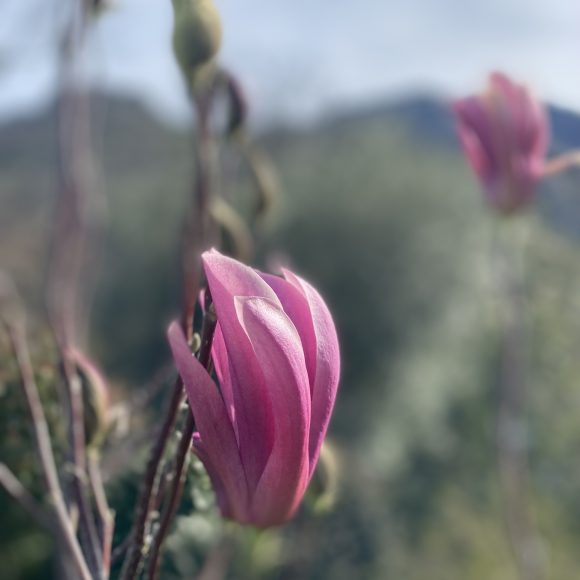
column 236, row 236
column 197, row 36
column 323, row 491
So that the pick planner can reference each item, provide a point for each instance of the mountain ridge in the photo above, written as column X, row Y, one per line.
column 422, row 114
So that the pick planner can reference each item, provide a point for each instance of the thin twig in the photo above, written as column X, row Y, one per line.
column 19, row 493
column 42, row 441
column 175, row 492
column 197, row 226
column 87, row 528
column 150, row 484
column 107, row 521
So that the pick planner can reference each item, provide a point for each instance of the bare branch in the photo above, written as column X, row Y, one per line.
column 42, row 441
column 150, row 484
column 107, row 522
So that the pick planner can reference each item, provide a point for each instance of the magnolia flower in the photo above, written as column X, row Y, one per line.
column 276, row 357
column 505, row 134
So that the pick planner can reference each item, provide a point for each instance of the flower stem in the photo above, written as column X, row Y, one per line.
column 512, row 438
column 150, row 485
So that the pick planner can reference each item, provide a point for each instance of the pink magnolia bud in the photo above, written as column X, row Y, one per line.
column 505, row 134
column 277, row 361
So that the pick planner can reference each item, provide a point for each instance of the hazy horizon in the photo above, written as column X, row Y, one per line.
column 298, row 60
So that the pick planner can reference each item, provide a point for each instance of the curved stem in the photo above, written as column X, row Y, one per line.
column 196, row 228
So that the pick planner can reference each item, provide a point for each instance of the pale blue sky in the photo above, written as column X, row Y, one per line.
column 298, row 58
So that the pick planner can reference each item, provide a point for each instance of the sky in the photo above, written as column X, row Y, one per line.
column 298, row 59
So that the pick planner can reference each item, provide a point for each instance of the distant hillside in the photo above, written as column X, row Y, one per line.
column 429, row 118
column 425, row 117
column 130, row 129
column 147, row 169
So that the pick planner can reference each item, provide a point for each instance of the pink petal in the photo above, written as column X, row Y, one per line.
column 534, row 128
column 216, row 481
column 327, row 355
column 297, row 308
column 217, row 442
column 278, row 348
column 221, row 363
column 505, row 136
column 476, row 137
column 227, row 279
column 506, row 116
column 525, row 117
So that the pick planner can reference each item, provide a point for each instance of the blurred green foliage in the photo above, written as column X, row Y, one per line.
column 393, row 233
column 24, row 548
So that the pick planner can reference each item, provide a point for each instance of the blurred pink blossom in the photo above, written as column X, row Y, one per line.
column 277, row 361
column 505, row 135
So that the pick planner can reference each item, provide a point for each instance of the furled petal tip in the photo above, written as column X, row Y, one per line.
column 277, row 362
column 504, row 133
column 215, row 442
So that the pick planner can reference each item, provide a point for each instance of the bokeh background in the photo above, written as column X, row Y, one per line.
column 378, row 209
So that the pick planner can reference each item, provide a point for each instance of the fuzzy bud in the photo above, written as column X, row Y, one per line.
column 197, row 36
